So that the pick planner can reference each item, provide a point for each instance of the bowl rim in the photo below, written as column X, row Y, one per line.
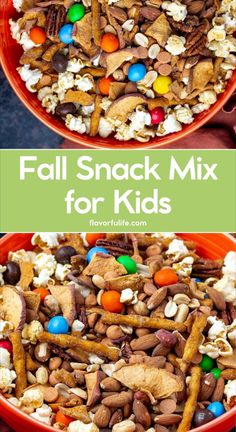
column 46, row 428
column 94, row 142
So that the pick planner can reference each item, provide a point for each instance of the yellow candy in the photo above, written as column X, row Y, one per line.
column 161, row 84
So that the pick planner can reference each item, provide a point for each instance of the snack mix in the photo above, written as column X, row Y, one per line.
column 133, row 69
column 118, row 332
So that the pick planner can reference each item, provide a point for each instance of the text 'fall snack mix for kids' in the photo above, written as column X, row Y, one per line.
column 117, row 332
column 131, row 68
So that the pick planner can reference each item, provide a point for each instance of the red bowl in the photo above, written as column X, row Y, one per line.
column 212, row 246
column 10, row 53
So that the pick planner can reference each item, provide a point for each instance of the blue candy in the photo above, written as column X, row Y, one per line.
column 216, row 408
column 136, row 72
column 65, row 33
column 58, row 325
column 198, row 280
column 95, row 250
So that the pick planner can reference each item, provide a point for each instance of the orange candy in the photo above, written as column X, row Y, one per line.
column 62, row 418
column 165, row 276
column 37, row 35
column 91, row 238
column 42, row 291
column 104, row 85
column 111, row 301
column 109, row 43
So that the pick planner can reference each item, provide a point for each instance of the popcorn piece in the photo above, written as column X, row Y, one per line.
column 2, row 270
column 52, row 239
column 20, row 36
column 163, row 235
column 6, row 378
column 139, row 119
column 175, row 9
column 74, row 65
column 5, row 328
column 31, row 77
column 184, row 267
column 210, row 349
column 227, row 287
column 230, row 391
column 42, row 93
column 31, row 331
column 32, row 398
column 75, row 123
column 17, row 4
column 43, row 279
column 87, row 110
column 105, row 128
column 5, row 358
column 208, row 97
column 65, row 80
column 62, row 271
column 184, row 114
column 43, row 414
column 128, row 296
column 84, row 83
column 217, row 329
column 45, row 261
column 169, row 125
column 176, row 249
column 50, row 102
column 200, row 107
column 217, row 33
column 82, row 427
column 94, row 359
column 230, row 264
column 14, row 401
column 175, row 45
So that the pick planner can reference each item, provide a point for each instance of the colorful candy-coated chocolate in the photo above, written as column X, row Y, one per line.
column 157, row 115
column 109, row 43
column 111, row 301
column 216, row 372
column 216, row 408
column 207, row 363
column 37, row 35
column 136, row 72
column 58, row 325
column 202, row 416
column 65, row 34
column 94, row 251
column 104, row 85
column 6, row 345
column 91, row 238
column 162, row 84
column 76, row 12
column 129, row 264
column 198, row 280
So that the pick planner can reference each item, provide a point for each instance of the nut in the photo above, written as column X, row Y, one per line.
column 157, row 298
column 141, row 413
column 124, row 426
column 149, row 288
column 182, row 313
column 167, row 419
column 55, row 363
column 219, row 390
column 170, row 309
column 98, row 281
column 42, row 352
column 114, row 332
column 42, row 375
column 102, row 416
column 144, row 342
column 118, row 400
column 181, row 299
column 166, row 338
column 141, row 40
column 208, row 383
column 140, row 308
column 110, row 384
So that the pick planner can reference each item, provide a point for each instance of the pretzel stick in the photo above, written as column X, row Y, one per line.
column 67, row 341
column 95, row 117
column 191, row 403
column 138, row 321
column 194, row 338
column 19, row 363
column 96, row 30
column 27, row 275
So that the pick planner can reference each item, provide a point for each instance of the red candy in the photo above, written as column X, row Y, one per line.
column 6, row 345
column 109, row 43
column 157, row 115
column 37, row 35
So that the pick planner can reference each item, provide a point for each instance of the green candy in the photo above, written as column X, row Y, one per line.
column 216, row 373
column 129, row 264
column 207, row 363
column 76, row 12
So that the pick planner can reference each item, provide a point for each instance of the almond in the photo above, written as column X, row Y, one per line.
column 217, row 298
column 144, row 342
column 219, row 390
column 141, row 413
column 167, row 419
column 102, row 416
column 116, row 417
column 208, row 383
column 118, row 400
column 150, row 13
column 110, row 384
column 157, row 298
column 195, row 7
